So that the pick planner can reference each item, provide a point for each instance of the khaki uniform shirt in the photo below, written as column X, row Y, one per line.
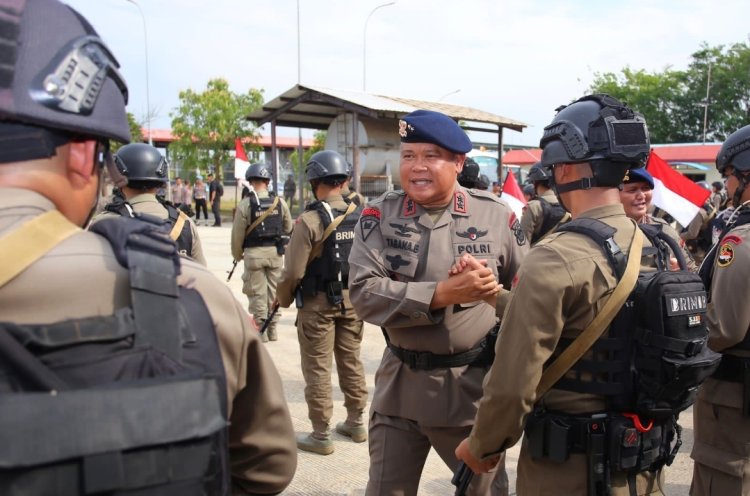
column 242, row 221
column 399, row 255
column 347, row 193
column 533, row 215
column 147, row 203
column 721, row 443
column 262, row 449
column 307, row 233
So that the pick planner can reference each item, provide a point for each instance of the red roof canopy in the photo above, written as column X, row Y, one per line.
column 697, row 153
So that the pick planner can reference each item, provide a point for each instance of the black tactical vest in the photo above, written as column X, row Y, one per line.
column 269, row 231
column 552, row 213
column 139, row 401
column 184, row 240
column 654, row 354
column 333, row 264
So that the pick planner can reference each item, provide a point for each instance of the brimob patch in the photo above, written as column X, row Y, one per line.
column 725, row 256
column 369, row 220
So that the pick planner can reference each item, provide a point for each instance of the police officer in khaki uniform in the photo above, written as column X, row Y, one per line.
column 316, row 278
column 635, row 195
column 145, row 170
column 439, row 330
column 543, row 213
column 721, row 415
column 260, row 229
column 565, row 278
column 350, row 194
column 56, row 173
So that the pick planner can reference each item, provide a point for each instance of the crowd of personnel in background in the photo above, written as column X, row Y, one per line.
column 623, row 334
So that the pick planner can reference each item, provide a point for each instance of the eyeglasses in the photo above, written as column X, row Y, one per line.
column 74, row 78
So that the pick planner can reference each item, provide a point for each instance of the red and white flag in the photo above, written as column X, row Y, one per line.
column 513, row 195
column 240, row 160
column 674, row 193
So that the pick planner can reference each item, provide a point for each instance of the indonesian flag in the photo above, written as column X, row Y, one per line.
column 674, row 193
column 513, row 195
column 240, row 160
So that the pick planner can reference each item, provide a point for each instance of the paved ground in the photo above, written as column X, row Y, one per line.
column 345, row 471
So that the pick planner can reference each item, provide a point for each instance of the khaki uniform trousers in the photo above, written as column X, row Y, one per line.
column 399, row 449
column 324, row 333
column 721, row 452
column 260, row 278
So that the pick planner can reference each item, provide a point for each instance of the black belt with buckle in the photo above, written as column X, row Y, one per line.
column 481, row 355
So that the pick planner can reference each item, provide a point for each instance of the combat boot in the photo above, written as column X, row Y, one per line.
column 312, row 443
column 271, row 331
column 358, row 432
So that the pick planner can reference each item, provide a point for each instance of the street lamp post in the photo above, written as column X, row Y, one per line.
column 706, row 103
column 145, row 49
column 364, row 44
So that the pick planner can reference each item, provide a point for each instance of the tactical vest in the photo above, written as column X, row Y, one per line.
column 333, row 263
column 268, row 232
column 552, row 213
column 184, row 240
column 654, row 355
column 122, row 386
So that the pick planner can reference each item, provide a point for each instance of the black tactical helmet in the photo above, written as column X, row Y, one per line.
column 483, row 183
column 600, row 130
column 528, row 189
column 469, row 175
column 58, row 75
column 735, row 151
column 140, row 162
column 538, row 173
column 327, row 164
column 260, row 170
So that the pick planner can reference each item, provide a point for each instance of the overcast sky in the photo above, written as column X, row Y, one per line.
column 519, row 59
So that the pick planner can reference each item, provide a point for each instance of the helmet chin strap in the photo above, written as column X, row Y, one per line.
column 743, row 180
column 581, row 184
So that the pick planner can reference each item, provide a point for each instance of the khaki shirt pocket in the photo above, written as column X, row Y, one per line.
column 402, row 263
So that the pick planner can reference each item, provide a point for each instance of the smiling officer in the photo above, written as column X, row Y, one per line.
column 439, row 330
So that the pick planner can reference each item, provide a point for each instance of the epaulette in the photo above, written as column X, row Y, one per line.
column 393, row 195
column 484, row 194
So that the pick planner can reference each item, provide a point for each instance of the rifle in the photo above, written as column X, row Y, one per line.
column 268, row 319
column 461, row 479
column 230, row 272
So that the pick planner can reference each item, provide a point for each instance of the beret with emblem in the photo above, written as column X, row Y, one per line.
column 427, row 126
column 640, row 175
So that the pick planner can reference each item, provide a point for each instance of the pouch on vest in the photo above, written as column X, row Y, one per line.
column 129, row 403
column 655, row 352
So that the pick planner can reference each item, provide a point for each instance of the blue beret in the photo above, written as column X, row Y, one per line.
column 640, row 175
column 426, row 126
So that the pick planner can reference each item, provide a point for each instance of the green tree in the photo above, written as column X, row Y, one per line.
column 136, row 133
column 206, row 124
column 673, row 101
column 319, row 143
